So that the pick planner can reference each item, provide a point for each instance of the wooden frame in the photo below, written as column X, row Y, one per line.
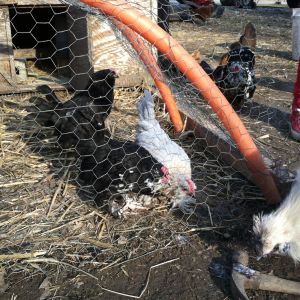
column 7, row 67
column 101, row 49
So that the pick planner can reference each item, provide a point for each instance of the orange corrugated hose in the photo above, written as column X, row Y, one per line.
column 151, row 64
column 142, row 25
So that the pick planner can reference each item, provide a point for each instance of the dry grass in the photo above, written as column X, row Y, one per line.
column 43, row 219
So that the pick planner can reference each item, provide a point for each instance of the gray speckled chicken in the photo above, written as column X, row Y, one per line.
column 154, row 139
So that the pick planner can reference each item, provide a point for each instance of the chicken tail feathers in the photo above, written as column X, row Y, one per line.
column 42, row 111
column 48, row 93
column 248, row 39
column 41, row 115
column 146, row 107
column 207, row 68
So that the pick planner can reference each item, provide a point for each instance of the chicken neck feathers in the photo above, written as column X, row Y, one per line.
column 153, row 138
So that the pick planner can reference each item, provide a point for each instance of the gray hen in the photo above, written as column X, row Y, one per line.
column 154, row 139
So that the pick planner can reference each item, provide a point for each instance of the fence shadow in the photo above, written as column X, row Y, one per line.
column 269, row 115
column 276, row 84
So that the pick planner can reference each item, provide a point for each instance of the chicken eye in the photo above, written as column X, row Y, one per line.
column 276, row 248
column 286, row 248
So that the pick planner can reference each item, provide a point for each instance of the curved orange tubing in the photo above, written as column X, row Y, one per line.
column 138, row 44
column 190, row 68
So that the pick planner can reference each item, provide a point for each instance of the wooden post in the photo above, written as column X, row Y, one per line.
column 7, row 66
column 80, row 64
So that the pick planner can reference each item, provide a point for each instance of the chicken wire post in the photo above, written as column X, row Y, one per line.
column 164, row 43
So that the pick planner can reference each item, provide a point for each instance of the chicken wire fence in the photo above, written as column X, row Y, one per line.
column 90, row 177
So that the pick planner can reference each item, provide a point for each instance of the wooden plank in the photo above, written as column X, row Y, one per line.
column 7, row 2
column 18, row 89
column 108, row 50
column 10, row 45
column 29, row 2
column 216, row 142
column 7, row 67
column 24, row 53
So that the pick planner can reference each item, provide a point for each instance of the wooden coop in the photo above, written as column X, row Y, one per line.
column 46, row 42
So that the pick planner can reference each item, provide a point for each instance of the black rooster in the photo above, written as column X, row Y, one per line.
column 121, row 172
column 78, row 120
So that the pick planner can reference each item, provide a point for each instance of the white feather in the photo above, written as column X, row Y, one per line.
column 185, row 203
column 282, row 226
column 154, row 139
column 151, row 136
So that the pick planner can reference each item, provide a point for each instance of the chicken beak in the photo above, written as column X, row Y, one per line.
column 114, row 73
column 259, row 251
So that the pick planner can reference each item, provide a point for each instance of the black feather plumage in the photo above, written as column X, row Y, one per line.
column 117, row 168
column 79, row 119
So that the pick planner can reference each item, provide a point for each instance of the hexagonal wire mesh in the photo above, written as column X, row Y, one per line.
column 88, row 180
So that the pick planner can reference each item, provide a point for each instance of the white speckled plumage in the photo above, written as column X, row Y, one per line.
column 154, row 139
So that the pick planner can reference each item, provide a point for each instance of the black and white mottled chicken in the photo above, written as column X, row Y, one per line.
column 121, row 173
column 154, row 139
column 279, row 231
column 79, row 119
column 235, row 75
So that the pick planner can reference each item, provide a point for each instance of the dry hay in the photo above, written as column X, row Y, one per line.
column 44, row 222
column 46, row 228
column 41, row 211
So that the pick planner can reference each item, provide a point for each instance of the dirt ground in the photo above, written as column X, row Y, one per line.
column 275, row 70
column 154, row 255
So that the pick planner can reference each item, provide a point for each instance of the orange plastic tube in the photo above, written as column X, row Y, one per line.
column 190, row 68
column 138, row 44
